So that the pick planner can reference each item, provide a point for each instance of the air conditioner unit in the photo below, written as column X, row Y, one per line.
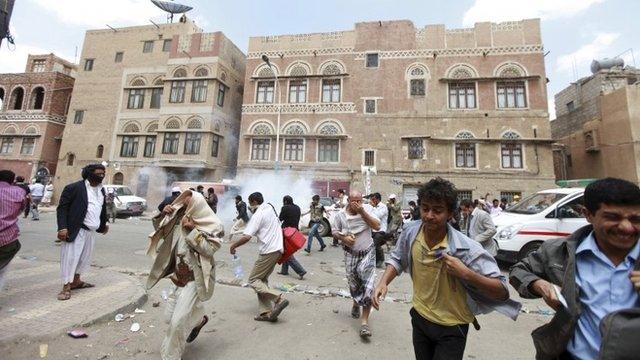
column 591, row 141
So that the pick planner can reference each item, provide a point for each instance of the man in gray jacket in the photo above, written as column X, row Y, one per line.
column 588, row 275
column 453, row 277
column 479, row 226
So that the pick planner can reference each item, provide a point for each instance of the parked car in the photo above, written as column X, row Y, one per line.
column 325, row 226
column 126, row 202
column 542, row 216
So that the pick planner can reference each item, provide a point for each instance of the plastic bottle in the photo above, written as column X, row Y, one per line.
column 237, row 267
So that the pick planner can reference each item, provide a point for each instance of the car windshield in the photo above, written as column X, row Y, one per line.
column 535, row 203
column 123, row 191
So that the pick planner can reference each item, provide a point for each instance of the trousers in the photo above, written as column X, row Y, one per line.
column 259, row 280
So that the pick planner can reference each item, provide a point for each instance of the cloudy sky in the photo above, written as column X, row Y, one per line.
column 574, row 31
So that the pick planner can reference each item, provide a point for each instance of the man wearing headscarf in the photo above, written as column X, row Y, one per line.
column 191, row 234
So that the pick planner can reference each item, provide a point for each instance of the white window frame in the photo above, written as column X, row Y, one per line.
column 255, row 98
column 322, row 89
column 524, row 163
column 526, row 96
column 268, row 151
column 306, row 91
column 476, row 155
column 304, row 145
column 318, row 151
column 475, row 83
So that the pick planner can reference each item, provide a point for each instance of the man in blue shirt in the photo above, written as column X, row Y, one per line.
column 593, row 270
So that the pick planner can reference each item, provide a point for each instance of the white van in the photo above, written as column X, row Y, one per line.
column 126, row 202
column 547, row 214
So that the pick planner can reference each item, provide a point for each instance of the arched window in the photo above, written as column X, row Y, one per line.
column 295, row 128
column 158, row 82
column 332, row 68
column 37, row 98
column 152, row 127
column 138, row 82
column 202, row 72
column 194, row 124
column 511, row 151
column 462, row 89
column 172, row 124
column 99, row 151
column 329, row 128
column 180, row 73
column 17, row 96
column 118, row 178
column 71, row 158
column 262, row 128
column 417, row 80
column 1, row 98
column 465, row 150
column 131, row 128
column 266, row 71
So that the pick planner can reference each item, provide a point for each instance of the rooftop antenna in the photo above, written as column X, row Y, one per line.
column 171, row 8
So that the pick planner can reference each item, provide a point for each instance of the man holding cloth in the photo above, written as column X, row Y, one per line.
column 265, row 225
column 353, row 227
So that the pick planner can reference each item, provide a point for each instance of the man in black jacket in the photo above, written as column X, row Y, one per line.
column 175, row 192
column 81, row 213
column 242, row 219
column 290, row 217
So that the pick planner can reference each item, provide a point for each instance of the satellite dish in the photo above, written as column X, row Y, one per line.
column 171, row 8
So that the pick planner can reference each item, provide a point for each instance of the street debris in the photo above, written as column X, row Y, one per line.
column 44, row 348
column 537, row 312
column 335, row 311
column 135, row 327
column 139, row 311
column 119, row 317
column 122, row 341
column 156, row 304
column 77, row 334
column 11, row 310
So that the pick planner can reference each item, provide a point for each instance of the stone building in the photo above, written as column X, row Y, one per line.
column 597, row 129
column 33, row 108
column 402, row 104
column 157, row 104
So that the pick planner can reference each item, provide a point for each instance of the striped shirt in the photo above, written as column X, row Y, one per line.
column 11, row 198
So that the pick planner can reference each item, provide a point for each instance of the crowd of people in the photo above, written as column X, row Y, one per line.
column 591, row 278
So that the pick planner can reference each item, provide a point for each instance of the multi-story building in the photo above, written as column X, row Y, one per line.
column 156, row 104
column 33, row 108
column 403, row 104
column 596, row 129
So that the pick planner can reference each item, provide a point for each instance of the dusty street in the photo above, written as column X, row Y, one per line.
column 317, row 325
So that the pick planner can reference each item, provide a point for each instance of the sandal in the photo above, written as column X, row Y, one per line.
column 264, row 317
column 64, row 295
column 196, row 330
column 355, row 312
column 365, row 331
column 82, row 285
column 277, row 309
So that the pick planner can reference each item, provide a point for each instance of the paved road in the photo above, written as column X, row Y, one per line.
column 316, row 326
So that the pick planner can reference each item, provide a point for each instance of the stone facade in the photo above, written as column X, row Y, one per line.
column 403, row 104
column 157, row 104
column 598, row 127
column 33, row 107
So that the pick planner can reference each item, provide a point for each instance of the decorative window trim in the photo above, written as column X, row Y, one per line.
column 329, row 122
column 267, row 126
column 510, row 64
column 263, row 68
column 341, row 67
column 295, row 64
column 426, row 76
column 364, row 105
column 295, row 123
column 451, row 71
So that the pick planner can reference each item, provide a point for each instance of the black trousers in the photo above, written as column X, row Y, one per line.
column 7, row 253
column 436, row 342
column 379, row 239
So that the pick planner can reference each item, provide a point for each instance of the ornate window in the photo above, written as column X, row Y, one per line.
column 511, row 151
column 293, row 149
column 129, row 146
column 510, row 70
column 332, row 68
column 180, row 73
column 298, row 91
column 331, row 90
column 7, row 145
column 138, row 82
column 170, row 144
column 462, row 95
column 262, row 129
column 28, row 145
column 260, row 149
column 417, row 78
column 178, row 89
column 329, row 129
column 511, row 94
column 131, row 128
column 192, row 143
column 299, row 69
column 328, row 150
column 416, row 148
column 194, row 124
column 465, row 151
column 264, row 94
column 202, row 72
column 172, row 124
column 136, row 99
column 295, row 128
column 152, row 127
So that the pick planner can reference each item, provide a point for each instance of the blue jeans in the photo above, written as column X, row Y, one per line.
column 314, row 232
column 295, row 265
